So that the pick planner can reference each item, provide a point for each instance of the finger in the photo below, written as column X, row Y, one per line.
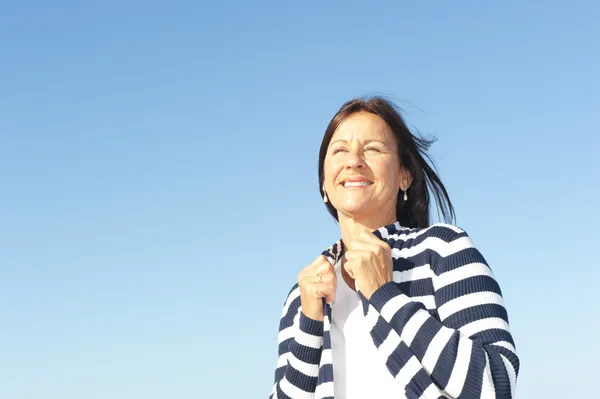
column 313, row 268
column 322, row 290
column 319, row 278
column 373, row 239
column 327, row 278
column 324, row 269
column 350, row 266
column 316, row 290
column 321, row 259
column 331, row 296
column 358, row 254
column 362, row 245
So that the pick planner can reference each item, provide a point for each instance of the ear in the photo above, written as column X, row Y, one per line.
column 406, row 179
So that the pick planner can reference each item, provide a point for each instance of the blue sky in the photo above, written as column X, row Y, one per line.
column 159, row 179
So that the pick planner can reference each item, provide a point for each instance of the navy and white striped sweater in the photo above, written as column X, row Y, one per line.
column 440, row 326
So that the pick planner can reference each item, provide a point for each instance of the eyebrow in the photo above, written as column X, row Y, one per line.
column 366, row 141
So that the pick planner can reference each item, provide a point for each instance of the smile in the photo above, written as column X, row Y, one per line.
column 357, row 183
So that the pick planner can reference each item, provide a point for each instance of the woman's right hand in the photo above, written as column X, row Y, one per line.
column 316, row 281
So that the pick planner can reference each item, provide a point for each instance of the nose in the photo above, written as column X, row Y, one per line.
column 354, row 160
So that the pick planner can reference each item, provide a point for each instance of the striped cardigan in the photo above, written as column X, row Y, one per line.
column 440, row 326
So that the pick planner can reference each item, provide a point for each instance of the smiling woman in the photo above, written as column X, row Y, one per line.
column 362, row 169
column 397, row 308
column 378, row 120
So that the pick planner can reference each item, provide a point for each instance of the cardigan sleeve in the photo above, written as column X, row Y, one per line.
column 300, row 345
column 468, row 352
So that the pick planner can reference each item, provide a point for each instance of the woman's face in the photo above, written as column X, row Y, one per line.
column 362, row 170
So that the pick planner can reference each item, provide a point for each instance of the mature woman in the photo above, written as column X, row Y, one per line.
column 398, row 308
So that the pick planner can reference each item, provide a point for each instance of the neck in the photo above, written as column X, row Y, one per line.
column 352, row 227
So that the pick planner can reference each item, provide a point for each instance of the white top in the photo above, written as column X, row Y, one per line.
column 359, row 370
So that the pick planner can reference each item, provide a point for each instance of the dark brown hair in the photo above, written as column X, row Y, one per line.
column 412, row 152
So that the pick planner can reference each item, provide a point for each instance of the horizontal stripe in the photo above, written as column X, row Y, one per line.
column 311, row 370
column 282, row 360
column 491, row 336
column 293, row 391
column 399, row 358
column 299, row 380
column 411, row 328
column 326, row 357
column 409, row 370
column 311, row 341
column 287, row 333
column 466, row 301
column 384, row 232
column 389, row 345
column 461, row 273
column 305, row 353
column 441, row 247
column 424, row 337
column 465, row 316
column 416, row 273
column 380, row 332
column 393, row 306
column 432, row 392
column 506, row 345
column 435, row 348
column 470, row 285
column 325, row 390
column 405, row 234
column 428, row 301
column 478, row 326
column 454, row 261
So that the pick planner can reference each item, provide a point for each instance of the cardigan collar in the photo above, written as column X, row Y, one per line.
column 335, row 252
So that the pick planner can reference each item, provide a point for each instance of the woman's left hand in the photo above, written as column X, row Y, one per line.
column 369, row 263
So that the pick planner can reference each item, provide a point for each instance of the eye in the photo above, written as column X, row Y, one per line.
column 335, row 151
column 372, row 149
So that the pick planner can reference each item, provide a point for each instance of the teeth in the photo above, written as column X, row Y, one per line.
column 356, row 183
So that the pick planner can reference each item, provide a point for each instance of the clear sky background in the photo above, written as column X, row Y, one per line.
column 158, row 178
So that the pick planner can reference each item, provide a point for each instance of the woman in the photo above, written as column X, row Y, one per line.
column 397, row 308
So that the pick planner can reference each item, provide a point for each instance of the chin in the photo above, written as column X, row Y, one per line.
column 357, row 212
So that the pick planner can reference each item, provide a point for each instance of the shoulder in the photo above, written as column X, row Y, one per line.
column 432, row 244
column 434, row 235
column 446, row 239
column 443, row 231
column 451, row 248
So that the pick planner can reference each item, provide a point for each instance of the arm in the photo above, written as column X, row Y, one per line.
column 470, row 353
column 300, row 344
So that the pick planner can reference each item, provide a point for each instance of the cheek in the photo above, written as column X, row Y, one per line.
column 330, row 170
column 389, row 173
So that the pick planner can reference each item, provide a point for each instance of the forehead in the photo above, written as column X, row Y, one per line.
column 363, row 126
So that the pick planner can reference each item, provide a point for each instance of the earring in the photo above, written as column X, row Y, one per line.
column 405, row 196
column 324, row 196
